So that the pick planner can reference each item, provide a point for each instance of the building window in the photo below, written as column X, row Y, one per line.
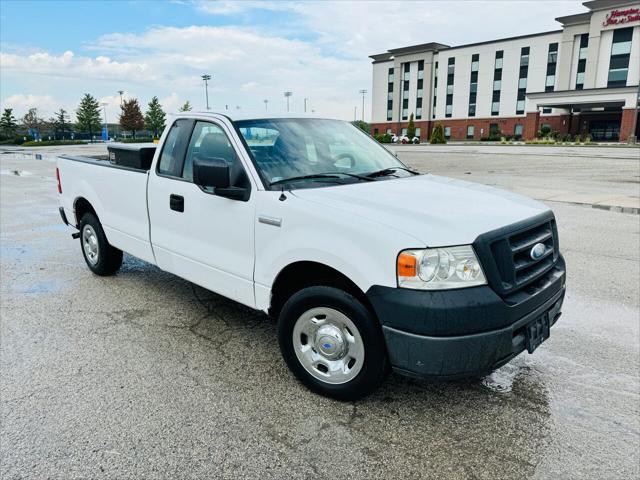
column 447, row 132
column 522, row 80
column 470, row 132
column 497, row 83
column 494, row 129
column 404, row 132
column 420, row 69
column 619, row 61
column 375, row 131
column 552, row 61
column 546, row 110
column 473, row 85
column 451, row 66
column 404, row 113
column 582, row 61
column 524, row 57
column 517, row 131
column 389, row 131
column 435, row 89
column 417, row 134
column 390, row 78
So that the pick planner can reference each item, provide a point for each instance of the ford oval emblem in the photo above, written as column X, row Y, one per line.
column 537, row 251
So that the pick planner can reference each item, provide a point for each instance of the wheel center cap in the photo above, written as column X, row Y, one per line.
column 330, row 342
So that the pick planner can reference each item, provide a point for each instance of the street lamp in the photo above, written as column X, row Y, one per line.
column 106, row 128
column 287, row 95
column 120, row 92
column 363, row 93
column 266, row 102
column 355, row 113
column 206, row 77
column 305, row 105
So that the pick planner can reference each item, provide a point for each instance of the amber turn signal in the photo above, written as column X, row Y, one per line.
column 407, row 265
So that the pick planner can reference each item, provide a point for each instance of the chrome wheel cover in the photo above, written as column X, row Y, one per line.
column 90, row 245
column 328, row 345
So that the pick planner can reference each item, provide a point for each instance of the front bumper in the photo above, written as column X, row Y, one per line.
column 459, row 333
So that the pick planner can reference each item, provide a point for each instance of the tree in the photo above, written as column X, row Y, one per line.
column 186, row 107
column 155, row 118
column 88, row 115
column 59, row 123
column 364, row 126
column 437, row 134
column 411, row 128
column 32, row 122
column 131, row 118
column 8, row 124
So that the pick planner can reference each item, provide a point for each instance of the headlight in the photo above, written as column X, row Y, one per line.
column 439, row 268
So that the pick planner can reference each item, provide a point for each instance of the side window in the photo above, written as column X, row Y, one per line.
column 173, row 149
column 209, row 141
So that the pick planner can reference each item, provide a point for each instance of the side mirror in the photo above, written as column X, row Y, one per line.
column 212, row 172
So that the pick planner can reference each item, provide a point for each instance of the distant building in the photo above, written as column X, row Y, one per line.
column 582, row 79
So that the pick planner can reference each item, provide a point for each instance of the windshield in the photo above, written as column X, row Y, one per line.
column 324, row 152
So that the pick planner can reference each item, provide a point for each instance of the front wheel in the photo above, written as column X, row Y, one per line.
column 332, row 343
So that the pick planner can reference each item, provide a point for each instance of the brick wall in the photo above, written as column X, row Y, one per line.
column 459, row 127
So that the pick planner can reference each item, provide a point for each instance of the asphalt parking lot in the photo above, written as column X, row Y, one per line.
column 144, row 375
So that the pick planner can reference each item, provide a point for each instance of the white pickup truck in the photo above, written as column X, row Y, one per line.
column 366, row 264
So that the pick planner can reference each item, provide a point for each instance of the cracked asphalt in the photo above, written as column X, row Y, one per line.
column 144, row 375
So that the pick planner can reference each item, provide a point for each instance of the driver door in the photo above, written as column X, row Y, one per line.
column 197, row 235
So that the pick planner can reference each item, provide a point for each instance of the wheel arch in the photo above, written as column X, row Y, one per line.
column 301, row 274
column 81, row 206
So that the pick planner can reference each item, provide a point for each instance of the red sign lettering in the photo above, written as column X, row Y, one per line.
column 620, row 17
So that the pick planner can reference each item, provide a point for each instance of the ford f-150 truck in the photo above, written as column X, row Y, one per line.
column 366, row 264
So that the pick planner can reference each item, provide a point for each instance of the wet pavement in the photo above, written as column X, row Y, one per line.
column 144, row 375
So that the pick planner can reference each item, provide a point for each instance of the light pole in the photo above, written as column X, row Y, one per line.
column 355, row 113
column 305, row 105
column 206, row 77
column 363, row 92
column 266, row 103
column 120, row 92
column 287, row 95
column 106, row 127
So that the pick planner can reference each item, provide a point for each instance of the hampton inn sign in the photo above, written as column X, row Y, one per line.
column 581, row 79
column 620, row 17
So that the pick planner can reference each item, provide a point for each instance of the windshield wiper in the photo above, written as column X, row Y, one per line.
column 321, row 176
column 389, row 171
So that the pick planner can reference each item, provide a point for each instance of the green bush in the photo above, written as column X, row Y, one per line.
column 50, row 143
column 383, row 137
column 437, row 135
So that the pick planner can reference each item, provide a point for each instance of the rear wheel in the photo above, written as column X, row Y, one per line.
column 102, row 259
column 332, row 343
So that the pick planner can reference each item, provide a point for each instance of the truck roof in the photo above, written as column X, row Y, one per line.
column 254, row 115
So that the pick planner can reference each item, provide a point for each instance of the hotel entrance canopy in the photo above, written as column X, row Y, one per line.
column 593, row 98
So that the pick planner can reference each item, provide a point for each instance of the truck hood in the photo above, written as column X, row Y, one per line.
column 437, row 211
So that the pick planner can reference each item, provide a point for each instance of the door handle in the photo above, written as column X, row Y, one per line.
column 176, row 202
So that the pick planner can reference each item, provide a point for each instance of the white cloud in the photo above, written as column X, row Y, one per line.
column 322, row 55
column 45, row 104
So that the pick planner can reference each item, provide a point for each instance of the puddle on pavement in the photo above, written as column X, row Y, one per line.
column 48, row 286
column 16, row 173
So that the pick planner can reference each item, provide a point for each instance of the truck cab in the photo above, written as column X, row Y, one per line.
column 367, row 265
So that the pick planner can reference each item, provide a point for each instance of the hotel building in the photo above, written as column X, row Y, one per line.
column 581, row 79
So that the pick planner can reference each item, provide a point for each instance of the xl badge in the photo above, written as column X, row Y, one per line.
column 537, row 251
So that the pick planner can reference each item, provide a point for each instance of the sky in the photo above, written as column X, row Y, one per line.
column 52, row 52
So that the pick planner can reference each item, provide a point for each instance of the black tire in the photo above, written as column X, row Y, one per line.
column 109, row 259
column 374, row 367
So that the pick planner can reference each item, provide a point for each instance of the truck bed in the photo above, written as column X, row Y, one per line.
column 118, row 195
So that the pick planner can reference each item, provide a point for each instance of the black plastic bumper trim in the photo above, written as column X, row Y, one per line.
column 464, row 355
